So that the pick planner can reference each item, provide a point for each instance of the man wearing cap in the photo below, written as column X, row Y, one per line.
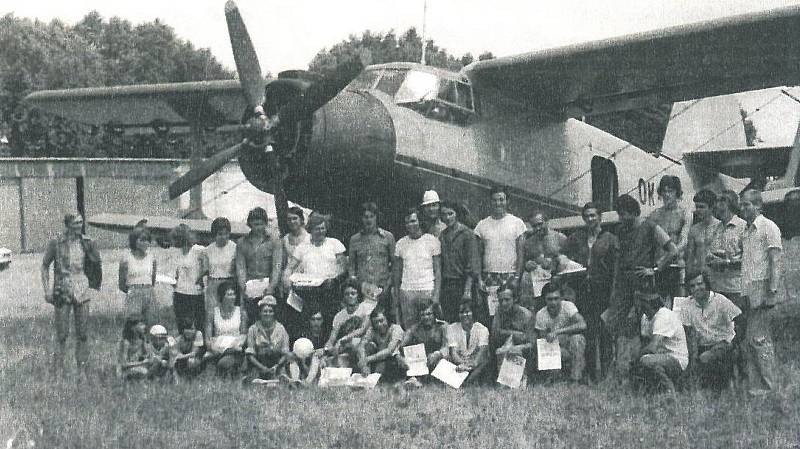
column 77, row 275
column 431, row 222
column 665, row 356
column 259, row 256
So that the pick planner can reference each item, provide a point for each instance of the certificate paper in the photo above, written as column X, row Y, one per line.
column 548, row 355
column 511, row 371
column 417, row 360
column 334, row 377
column 491, row 299
column 446, row 372
column 294, row 301
column 255, row 288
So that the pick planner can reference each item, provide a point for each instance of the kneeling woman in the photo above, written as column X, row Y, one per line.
column 268, row 344
column 227, row 332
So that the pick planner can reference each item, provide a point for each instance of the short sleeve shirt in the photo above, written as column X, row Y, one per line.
column 342, row 316
column 261, row 340
column 372, row 255
column 257, row 255
column 185, row 346
column 667, row 324
column 188, row 270
column 640, row 244
column 457, row 338
column 714, row 322
column 499, row 239
column 417, row 256
column 393, row 335
column 549, row 245
column 758, row 238
column 517, row 319
column 727, row 238
column 221, row 261
column 319, row 261
column 546, row 322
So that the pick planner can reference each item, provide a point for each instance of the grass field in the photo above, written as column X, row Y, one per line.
column 212, row 413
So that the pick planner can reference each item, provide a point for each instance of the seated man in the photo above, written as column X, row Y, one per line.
column 431, row 334
column 161, row 352
column 511, row 327
column 664, row 358
column 560, row 320
column 469, row 344
column 349, row 325
column 306, row 370
column 379, row 350
column 709, row 319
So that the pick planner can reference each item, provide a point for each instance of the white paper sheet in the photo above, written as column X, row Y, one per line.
column 416, row 359
column 164, row 279
column 679, row 304
column 304, row 280
column 358, row 380
column 511, row 371
column 491, row 299
column 446, row 372
column 294, row 301
column 255, row 288
column 548, row 355
column 334, row 377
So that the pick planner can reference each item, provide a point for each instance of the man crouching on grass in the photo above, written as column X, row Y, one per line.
column 379, row 351
column 665, row 356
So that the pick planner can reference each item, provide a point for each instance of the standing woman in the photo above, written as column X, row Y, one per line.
column 297, row 234
column 137, row 276
column 322, row 258
column 77, row 274
column 220, row 262
column 187, row 299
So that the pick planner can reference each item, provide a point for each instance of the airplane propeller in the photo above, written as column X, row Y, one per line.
column 259, row 128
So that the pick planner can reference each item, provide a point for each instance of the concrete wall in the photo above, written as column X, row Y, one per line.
column 10, row 220
column 44, row 203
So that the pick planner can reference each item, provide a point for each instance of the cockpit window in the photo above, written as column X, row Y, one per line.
column 419, row 86
column 365, row 80
column 439, row 98
column 391, row 79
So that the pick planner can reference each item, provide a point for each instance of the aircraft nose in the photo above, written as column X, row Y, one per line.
column 352, row 146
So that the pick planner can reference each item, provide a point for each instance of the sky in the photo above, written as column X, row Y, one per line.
column 287, row 34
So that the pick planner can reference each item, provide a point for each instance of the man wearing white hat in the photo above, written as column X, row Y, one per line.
column 431, row 222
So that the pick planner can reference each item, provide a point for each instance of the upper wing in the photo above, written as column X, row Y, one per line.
column 205, row 102
column 730, row 55
column 160, row 227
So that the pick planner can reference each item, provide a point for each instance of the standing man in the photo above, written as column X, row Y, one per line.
column 761, row 268
column 700, row 234
column 77, row 275
column 460, row 262
column 596, row 249
column 540, row 240
column 417, row 271
column 497, row 243
column 371, row 253
column 431, row 221
column 640, row 243
column 675, row 220
column 259, row 256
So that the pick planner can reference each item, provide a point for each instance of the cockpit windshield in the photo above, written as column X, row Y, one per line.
column 442, row 98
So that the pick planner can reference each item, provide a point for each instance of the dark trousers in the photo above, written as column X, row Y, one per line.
column 592, row 300
column 189, row 309
column 450, row 298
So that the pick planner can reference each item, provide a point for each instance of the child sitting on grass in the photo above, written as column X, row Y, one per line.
column 161, row 353
column 132, row 354
column 189, row 350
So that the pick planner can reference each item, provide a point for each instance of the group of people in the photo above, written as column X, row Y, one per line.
column 272, row 307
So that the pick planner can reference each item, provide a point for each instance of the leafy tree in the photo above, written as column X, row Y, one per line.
column 94, row 52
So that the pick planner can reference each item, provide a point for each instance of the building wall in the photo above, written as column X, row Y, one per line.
column 10, row 219
column 44, row 203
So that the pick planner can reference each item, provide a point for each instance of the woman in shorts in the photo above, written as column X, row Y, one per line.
column 137, row 276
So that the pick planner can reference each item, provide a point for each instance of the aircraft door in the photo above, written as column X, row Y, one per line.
column 605, row 185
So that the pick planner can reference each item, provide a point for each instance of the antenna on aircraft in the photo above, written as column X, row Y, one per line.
column 424, row 17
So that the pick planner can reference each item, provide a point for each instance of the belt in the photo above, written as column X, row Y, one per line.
column 220, row 279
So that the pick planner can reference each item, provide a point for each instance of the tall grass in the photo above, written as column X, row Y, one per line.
column 215, row 413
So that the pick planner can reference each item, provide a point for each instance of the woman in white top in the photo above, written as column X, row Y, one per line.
column 137, row 276
column 187, row 298
column 219, row 260
column 321, row 261
column 297, row 234
column 227, row 331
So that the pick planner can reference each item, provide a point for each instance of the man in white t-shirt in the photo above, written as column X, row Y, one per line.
column 664, row 358
column 497, row 242
column 560, row 320
column 468, row 341
column 349, row 324
column 417, row 271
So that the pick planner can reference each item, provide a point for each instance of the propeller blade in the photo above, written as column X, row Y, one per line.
column 205, row 169
column 245, row 56
column 319, row 93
